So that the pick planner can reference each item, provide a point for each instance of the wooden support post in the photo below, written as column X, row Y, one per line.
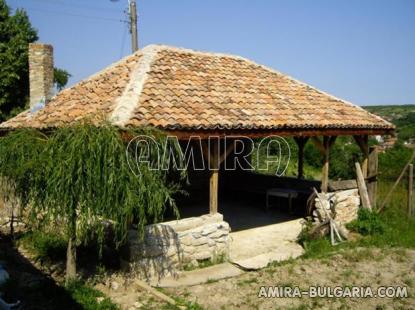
column 324, row 149
column 325, row 172
column 213, row 191
column 372, row 183
column 301, row 141
column 411, row 210
column 214, row 161
column 214, row 178
column 363, row 142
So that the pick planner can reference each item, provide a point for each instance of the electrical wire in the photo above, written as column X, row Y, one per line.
column 76, row 15
column 75, row 5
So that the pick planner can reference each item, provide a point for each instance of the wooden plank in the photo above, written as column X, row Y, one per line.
column 411, row 190
column 342, row 185
column 372, row 172
column 361, row 184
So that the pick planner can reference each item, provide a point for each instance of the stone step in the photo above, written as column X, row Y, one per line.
column 284, row 252
column 199, row 276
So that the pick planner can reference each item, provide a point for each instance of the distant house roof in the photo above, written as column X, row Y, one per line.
column 181, row 89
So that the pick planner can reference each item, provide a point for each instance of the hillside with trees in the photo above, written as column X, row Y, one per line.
column 402, row 116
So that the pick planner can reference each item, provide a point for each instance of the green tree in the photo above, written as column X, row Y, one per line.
column 343, row 155
column 60, row 78
column 16, row 32
column 79, row 179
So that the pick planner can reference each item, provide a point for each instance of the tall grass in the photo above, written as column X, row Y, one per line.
column 398, row 198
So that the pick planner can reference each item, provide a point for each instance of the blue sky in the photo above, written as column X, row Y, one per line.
column 361, row 51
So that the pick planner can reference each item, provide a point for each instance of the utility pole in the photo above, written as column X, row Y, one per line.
column 133, row 25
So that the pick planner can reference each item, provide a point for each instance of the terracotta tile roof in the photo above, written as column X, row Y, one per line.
column 180, row 89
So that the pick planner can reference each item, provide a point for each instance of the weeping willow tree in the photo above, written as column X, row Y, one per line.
column 80, row 178
column 16, row 168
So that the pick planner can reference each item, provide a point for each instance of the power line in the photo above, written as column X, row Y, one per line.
column 73, row 5
column 76, row 15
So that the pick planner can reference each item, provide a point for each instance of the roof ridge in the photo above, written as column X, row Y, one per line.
column 127, row 102
column 99, row 73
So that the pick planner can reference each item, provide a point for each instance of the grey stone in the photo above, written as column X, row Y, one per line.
column 212, row 218
column 185, row 224
column 209, row 229
column 218, row 234
column 200, row 241
column 211, row 242
column 202, row 255
column 196, row 235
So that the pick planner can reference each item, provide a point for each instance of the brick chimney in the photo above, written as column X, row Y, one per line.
column 40, row 74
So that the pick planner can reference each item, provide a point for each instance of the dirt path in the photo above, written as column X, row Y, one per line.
column 360, row 267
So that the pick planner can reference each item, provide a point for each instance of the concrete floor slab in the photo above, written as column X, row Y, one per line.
column 255, row 248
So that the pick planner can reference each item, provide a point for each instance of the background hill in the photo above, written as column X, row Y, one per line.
column 403, row 116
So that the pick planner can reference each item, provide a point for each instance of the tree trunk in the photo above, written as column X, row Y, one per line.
column 71, row 252
column 71, row 260
column 12, row 225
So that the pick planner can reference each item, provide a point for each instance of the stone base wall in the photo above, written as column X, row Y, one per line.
column 346, row 204
column 171, row 246
column 342, row 206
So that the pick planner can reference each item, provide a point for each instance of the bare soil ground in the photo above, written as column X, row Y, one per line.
column 358, row 267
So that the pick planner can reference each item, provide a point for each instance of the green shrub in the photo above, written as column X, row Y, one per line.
column 368, row 223
column 304, row 235
column 45, row 245
column 86, row 296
